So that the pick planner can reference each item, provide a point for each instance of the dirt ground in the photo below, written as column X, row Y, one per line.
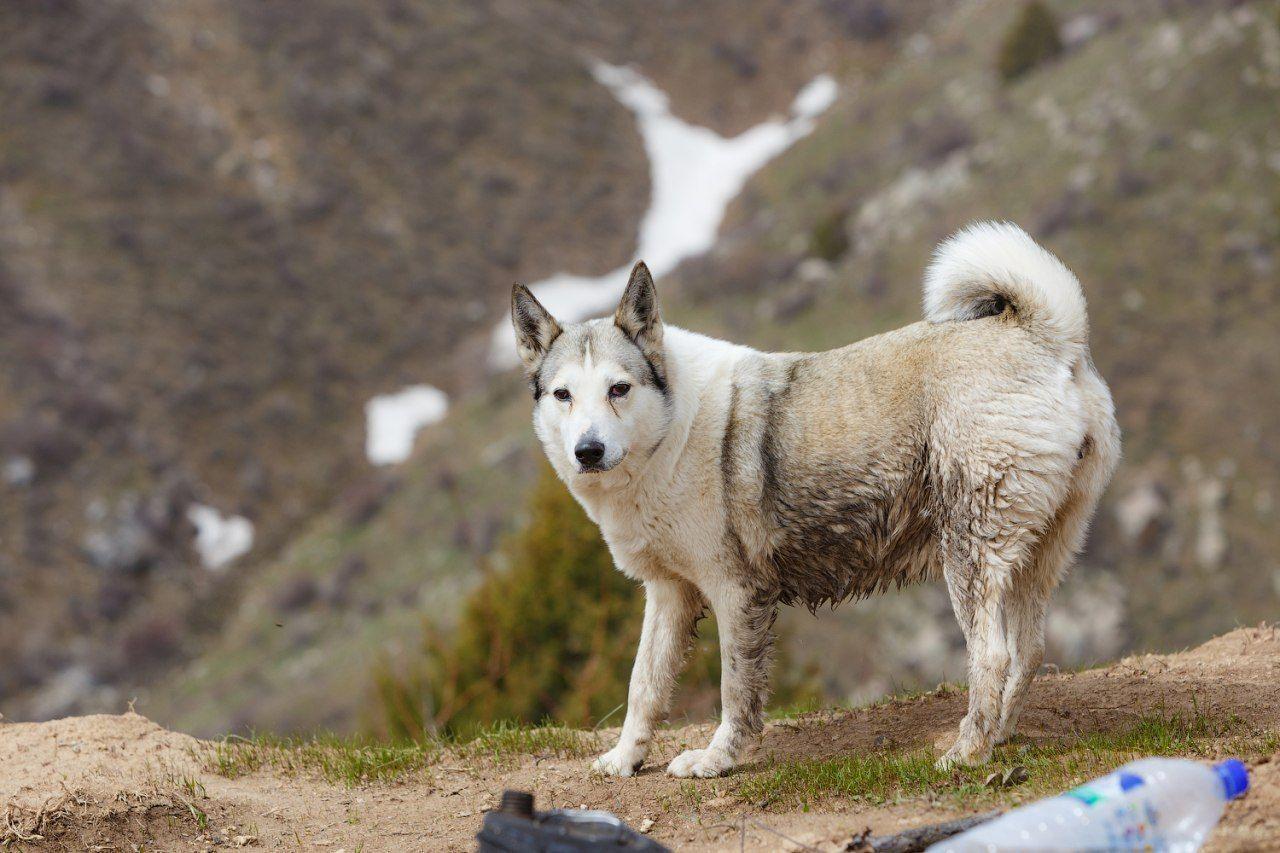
column 124, row 783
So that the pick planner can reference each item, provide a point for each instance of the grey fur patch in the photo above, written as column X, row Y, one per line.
column 848, row 537
column 748, row 662
column 728, row 454
column 835, row 528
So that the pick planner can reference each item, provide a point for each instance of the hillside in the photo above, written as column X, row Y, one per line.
column 1145, row 156
column 819, row 778
column 224, row 227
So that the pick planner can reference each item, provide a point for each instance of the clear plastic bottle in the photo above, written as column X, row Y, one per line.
column 1156, row 804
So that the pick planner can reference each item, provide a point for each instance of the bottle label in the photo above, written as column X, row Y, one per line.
column 1105, row 788
column 1129, row 820
column 1086, row 794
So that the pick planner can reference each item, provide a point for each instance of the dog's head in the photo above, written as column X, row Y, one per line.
column 601, row 401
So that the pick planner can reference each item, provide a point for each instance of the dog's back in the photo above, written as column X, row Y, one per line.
column 842, row 467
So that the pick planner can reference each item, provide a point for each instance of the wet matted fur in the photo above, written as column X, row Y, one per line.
column 972, row 446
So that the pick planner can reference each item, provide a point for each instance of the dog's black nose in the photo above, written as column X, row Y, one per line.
column 589, row 451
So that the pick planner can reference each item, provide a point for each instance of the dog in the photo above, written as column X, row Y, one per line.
column 972, row 446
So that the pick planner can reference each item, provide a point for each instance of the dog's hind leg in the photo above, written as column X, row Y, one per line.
column 1024, row 618
column 1035, row 581
column 982, row 542
column 988, row 667
column 1027, row 605
column 745, row 619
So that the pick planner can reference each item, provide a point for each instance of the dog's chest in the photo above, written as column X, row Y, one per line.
column 655, row 541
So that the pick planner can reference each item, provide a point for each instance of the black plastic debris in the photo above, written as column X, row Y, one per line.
column 515, row 826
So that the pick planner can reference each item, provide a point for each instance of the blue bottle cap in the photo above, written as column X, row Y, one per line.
column 1234, row 776
column 1129, row 781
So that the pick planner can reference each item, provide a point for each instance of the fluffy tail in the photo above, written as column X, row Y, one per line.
column 990, row 267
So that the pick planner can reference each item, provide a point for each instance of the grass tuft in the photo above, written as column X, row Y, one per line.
column 1053, row 767
column 338, row 760
column 355, row 761
column 504, row 741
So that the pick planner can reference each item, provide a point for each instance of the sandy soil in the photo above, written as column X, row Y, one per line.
column 111, row 782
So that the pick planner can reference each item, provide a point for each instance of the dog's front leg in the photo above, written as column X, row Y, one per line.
column 671, row 610
column 745, row 619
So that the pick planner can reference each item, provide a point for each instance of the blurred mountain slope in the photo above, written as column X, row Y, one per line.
column 1146, row 156
column 225, row 225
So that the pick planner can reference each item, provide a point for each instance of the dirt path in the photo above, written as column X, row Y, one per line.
column 108, row 782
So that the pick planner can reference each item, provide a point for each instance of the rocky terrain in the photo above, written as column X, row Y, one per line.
column 224, row 227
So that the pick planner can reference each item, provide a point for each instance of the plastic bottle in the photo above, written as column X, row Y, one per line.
column 1156, row 804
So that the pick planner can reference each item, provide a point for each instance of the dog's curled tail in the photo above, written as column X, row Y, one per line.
column 990, row 267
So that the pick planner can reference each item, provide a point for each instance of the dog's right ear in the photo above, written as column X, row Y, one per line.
column 535, row 329
column 637, row 316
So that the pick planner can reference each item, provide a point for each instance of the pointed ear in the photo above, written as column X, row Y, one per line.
column 637, row 317
column 535, row 329
column 637, row 314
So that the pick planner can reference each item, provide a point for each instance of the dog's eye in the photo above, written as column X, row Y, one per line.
column 561, row 394
column 619, row 389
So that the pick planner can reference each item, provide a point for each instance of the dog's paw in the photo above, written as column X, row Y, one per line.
column 619, row 761
column 963, row 754
column 700, row 764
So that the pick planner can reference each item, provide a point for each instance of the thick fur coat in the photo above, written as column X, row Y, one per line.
column 971, row 447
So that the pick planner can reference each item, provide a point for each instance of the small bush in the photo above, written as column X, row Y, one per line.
column 1032, row 40
column 829, row 239
column 546, row 639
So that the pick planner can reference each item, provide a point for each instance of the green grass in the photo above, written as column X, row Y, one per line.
column 509, row 740
column 357, row 761
column 339, row 760
column 1053, row 767
column 685, row 799
column 790, row 711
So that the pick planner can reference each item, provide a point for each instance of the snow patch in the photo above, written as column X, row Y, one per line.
column 393, row 421
column 694, row 174
column 220, row 539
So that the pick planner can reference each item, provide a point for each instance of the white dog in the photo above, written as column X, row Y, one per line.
column 971, row 446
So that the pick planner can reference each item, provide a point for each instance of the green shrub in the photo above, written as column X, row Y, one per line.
column 829, row 239
column 552, row 637
column 1032, row 40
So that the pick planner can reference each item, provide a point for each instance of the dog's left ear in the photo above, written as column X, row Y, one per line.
column 637, row 317
column 535, row 328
